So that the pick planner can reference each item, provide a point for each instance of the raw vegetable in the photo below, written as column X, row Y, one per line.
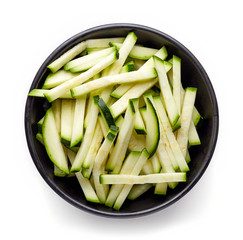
column 124, row 121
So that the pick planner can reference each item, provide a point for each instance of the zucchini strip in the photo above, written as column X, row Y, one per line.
column 127, row 188
column 107, row 81
column 52, row 142
column 170, row 135
column 138, row 52
column 138, row 190
column 136, row 91
column 170, row 104
column 78, row 121
column 58, row 91
column 85, row 62
column 88, row 136
column 67, row 56
column 99, row 163
column 57, row 78
column 186, row 116
column 119, row 151
column 85, row 183
column 41, row 93
column 103, row 42
column 142, row 179
column 67, row 114
column 127, row 167
column 92, row 152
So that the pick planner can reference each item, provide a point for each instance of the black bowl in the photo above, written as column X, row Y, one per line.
column 193, row 75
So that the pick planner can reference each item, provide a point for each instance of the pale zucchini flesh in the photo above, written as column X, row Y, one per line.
column 107, row 81
column 82, row 152
column 117, row 155
column 186, row 116
column 78, row 121
column 142, row 179
column 61, row 89
column 127, row 188
column 127, row 167
column 170, row 104
column 57, row 78
column 53, row 143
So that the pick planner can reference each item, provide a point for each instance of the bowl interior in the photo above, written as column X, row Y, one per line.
column 193, row 75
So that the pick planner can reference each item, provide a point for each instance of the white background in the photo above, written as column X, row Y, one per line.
column 31, row 30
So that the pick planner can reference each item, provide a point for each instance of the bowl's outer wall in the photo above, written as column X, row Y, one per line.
column 193, row 75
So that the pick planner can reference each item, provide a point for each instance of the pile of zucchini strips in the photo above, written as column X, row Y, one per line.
column 120, row 119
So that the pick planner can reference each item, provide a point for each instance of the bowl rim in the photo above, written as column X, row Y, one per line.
column 66, row 45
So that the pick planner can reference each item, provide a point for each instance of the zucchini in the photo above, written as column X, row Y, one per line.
column 138, row 190
column 152, row 126
column 66, row 57
column 67, row 113
column 57, row 172
column 142, row 179
column 78, row 121
column 127, row 167
column 177, row 81
column 139, row 125
column 124, row 51
column 88, row 136
column 57, row 78
column 106, row 112
column 193, row 137
column 99, row 163
column 155, row 164
column 107, row 81
column 186, row 116
column 52, row 142
column 137, row 142
column 180, row 159
column 42, row 92
column 92, row 152
column 85, row 184
column 57, row 110
column 103, row 42
column 121, row 89
column 170, row 104
column 138, row 52
column 117, row 155
column 161, row 188
column 85, row 62
column 136, row 91
column 103, row 124
column 135, row 171
column 58, row 91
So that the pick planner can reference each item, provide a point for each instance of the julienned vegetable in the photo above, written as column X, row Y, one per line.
column 120, row 116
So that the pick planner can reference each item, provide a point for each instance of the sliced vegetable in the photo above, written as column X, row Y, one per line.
column 78, row 121
column 57, row 78
column 118, row 154
column 99, row 163
column 135, row 76
column 127, row 167
column 67, row 56
column 58, row 91
column 52, row 142
column 142, row 179
column 85, row 62
column 127, row 188
column 83, row 150
column 138, row 52
column 67, row 113
column 124, row 121
column 186, row 116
